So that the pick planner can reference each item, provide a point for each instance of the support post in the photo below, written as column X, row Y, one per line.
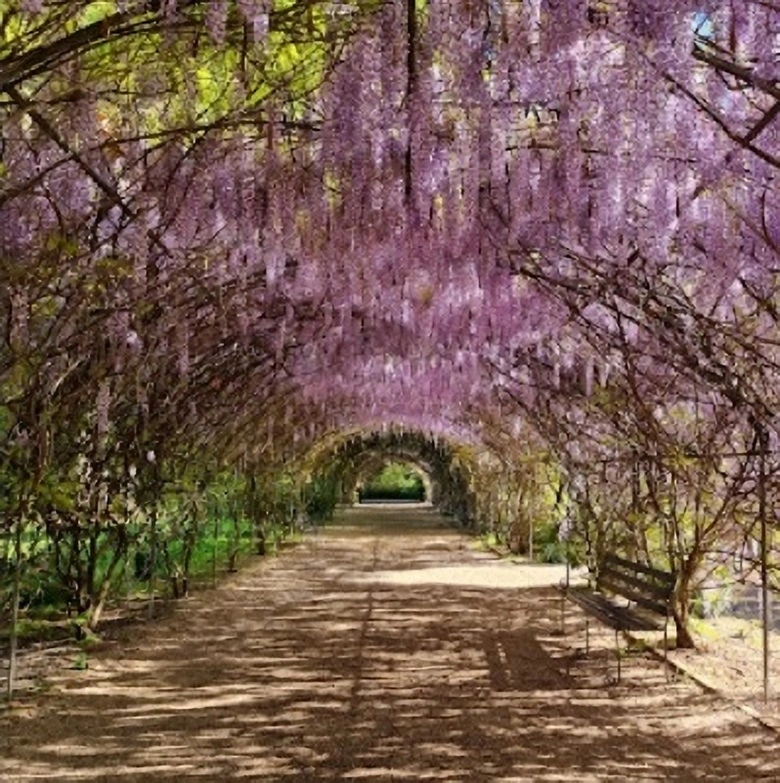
column 152, row 560
column 214, row 551
column 565, row 591
column 14, row 640
column 666, row 644
column 766, row 595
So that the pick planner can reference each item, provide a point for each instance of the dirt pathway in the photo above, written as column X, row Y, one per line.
column 380, row 649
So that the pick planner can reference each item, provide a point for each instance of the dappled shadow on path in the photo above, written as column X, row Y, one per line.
column 320, row 665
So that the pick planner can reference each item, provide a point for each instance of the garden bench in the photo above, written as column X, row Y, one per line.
column 646, row 591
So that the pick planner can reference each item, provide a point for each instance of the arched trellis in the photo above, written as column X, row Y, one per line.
column 446, row 466
column 462, row 201
column 370, row 463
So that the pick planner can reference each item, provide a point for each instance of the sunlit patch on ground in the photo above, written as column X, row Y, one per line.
column 494, row 575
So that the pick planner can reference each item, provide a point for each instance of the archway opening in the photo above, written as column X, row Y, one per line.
column 394, row 482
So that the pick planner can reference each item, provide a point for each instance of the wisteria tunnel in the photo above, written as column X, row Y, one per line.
column 254, row 252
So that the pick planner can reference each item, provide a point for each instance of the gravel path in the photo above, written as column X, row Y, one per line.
column 383, row 649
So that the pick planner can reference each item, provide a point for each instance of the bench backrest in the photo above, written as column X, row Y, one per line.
column 648, row 587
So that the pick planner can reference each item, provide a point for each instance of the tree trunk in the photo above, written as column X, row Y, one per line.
column 685, row 640
column 79, row 570
column 98, row 600
column 93, row 553
column 682, row 598
column 682, row 615
column 260, row 540
column 171, row 570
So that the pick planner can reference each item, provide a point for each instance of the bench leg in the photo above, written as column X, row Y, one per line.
column 587, row 635
column 617, row 654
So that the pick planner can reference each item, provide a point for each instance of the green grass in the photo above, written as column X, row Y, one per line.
column 44, row 618
column 34, row 630
column 487, row 541
column 81, row 662
column 723, row 628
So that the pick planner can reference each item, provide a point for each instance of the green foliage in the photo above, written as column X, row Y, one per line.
column 320, row 498
column 201, row 525
column 396, row 481
column 81, row 661
column 489, row 540
column 551, row 549
column 715, row 597
column 28, row 628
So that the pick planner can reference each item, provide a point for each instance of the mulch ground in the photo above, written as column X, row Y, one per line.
column 382, row 648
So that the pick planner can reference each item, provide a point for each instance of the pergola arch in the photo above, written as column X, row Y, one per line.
column 445, row 465
column 372, row 462
column 446, row 218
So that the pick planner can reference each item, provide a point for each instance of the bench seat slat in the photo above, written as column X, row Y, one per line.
column 632, row 621
column 594, row 603
column 609, row 613
column 634, row 596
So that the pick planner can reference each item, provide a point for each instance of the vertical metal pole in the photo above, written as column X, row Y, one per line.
column 128, row 550
column 152, row 560
column 531, row 534
column 158, row 486
column 127, row 578
column 214, row 551
column 766, row 596
column 666, row 642
column 14, row 639
column 565, row 591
